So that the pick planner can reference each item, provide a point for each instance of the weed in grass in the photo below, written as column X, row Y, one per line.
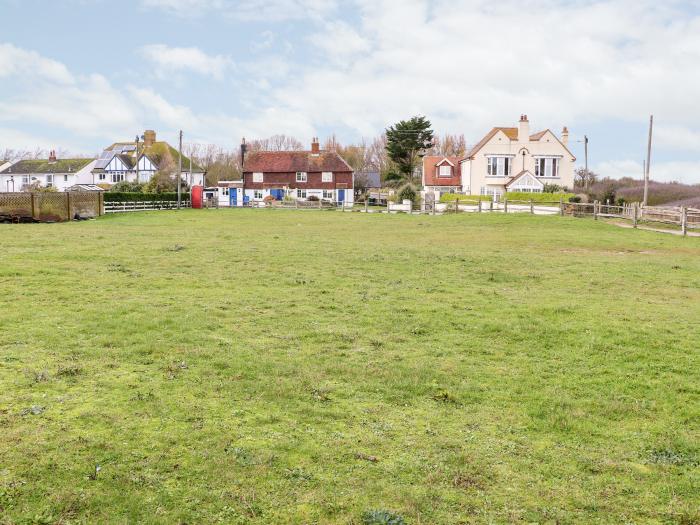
column 382, row 517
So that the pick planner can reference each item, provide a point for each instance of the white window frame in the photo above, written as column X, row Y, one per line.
column 547, row 167
column 328, row 194
column 258, row 177
column 301, row 193
column 117, row 176
column 302, row 176
column 102, row 176
column 445, row 170
column 258, row 195
column 25, row 180
column 499, row 165
column 65, row 178
column 49, row 180
column 224, row 191
column 327, row 176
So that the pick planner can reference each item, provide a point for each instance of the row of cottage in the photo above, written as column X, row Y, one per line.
column 506, row 159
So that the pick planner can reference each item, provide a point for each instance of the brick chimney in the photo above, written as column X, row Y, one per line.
column 524, row 129
column 565, row 136
column 149, row 138
column 315, row 146
column 52, row 156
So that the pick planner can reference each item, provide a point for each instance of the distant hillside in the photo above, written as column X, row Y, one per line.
column 632, row 190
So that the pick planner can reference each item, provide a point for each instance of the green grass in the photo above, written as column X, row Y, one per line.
column 268, row 366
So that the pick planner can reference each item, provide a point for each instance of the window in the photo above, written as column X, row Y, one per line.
column 65, row 178
column 301, row 193
column 49, row 181
column 102, row 176
column 498, row 166
column 224, row 191
column 301, row 176
column 258, row 195
column 258, row 177
column 25, row 180
column 547, row 167
column 445, row 171
column 328, row 194
column 118, row 176
column 327, row 176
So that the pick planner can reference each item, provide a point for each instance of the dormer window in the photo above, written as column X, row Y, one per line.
column 445, row 170
column 257, row 177
column 301, row 176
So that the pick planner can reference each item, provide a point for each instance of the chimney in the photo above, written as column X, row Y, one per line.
column 149, row 138
column 524, row 129
column 315, row 146
column 565, row 136
column 52, row 156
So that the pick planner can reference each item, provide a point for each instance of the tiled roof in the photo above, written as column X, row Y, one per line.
column 511, row 133
column 430, row 175
column 293, row 161
column 156, row 152
column 44, row 166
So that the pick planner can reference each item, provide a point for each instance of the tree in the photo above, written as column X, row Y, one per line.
column 585, row 179
column 406, row 141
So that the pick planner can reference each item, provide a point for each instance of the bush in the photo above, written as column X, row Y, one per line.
column 537, row 197
column 451, row 197
column 382, row 517
column 313, row 198
column 113, row 196
column 127, row 187
column 407, row 192
column 575, row 198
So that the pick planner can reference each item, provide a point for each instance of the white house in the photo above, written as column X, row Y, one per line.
column 52, row 172
column 512, row 159
column 119, row 163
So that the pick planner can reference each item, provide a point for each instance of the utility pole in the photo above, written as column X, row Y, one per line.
column 585, row 147
column 646, row 170
column 137, row 160
column 179, row 173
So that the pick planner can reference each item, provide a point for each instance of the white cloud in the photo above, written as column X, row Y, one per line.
column 178, row 59
column 249, row 10
column 17, row 61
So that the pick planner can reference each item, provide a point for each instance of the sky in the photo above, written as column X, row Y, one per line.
column 78, row 75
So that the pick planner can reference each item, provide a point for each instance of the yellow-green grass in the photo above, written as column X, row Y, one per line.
column 270, row 366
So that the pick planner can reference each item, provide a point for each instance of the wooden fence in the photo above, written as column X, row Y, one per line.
column 123, row 207
column 50, row 206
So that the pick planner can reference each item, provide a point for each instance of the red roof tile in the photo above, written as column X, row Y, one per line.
column 293, row 161
column 430, row 171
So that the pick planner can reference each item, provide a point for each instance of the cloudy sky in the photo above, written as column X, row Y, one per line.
column 80, row 74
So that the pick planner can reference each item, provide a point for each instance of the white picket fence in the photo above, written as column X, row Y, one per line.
column 123, row 207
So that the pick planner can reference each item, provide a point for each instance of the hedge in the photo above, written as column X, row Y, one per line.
column 537, row 197
column 117, row 196
column 451, row 197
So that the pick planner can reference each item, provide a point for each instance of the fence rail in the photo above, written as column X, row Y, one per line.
column 50, row 206
column 124, row 207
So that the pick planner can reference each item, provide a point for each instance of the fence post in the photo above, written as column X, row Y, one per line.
column 100, row 203
column 634, row 214
column 532, row 207
column 479, row 204
column 387, row 205
column 366, row 204
column 343, row 204
column 34, row 207
column 320, row 204
column 505, row 205
column 456, row 205
column 595, row 210
column 561, row 206
column 68, row 205
column 684, row 220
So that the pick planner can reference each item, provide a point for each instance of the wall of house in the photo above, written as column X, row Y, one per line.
column 314, row 185
column 292, row 192
column 477, row 168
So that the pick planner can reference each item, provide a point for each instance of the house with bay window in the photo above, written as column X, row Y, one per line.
column 513, row 159
column 297, row 175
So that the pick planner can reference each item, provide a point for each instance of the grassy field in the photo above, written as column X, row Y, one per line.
column 263, row 366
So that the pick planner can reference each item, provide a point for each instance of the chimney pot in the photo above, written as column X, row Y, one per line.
column 315, row 146
column 149, row 138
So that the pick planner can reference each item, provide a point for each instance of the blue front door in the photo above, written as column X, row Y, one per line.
column 277, row 194
column 341, row 195
column 233, row 197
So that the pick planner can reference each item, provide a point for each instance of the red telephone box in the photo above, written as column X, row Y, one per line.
column 197, row 197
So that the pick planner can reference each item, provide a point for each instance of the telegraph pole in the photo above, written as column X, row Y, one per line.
column 646, row 171
column 585, row 147
column 179, row 174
